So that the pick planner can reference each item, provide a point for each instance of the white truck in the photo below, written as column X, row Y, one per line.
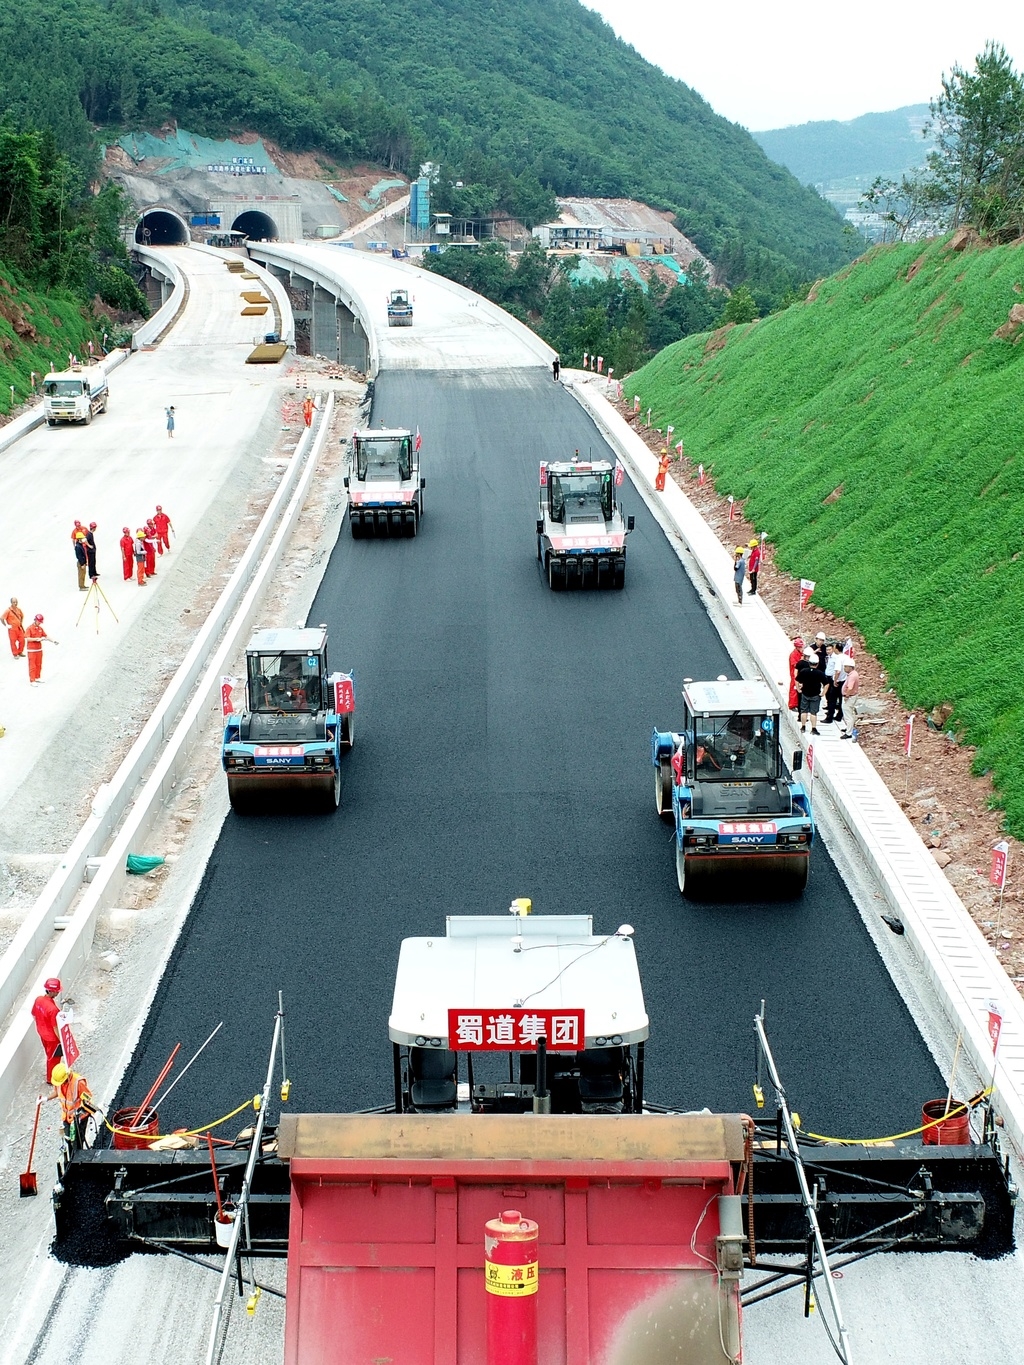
column 75, row 395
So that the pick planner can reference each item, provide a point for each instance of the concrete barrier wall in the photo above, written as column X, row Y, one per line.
column 287, row 258
column 163, row 265
column 964, row 973
column 236, row 609
column 272, row 285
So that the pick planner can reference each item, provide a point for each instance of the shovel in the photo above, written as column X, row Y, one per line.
column 27, row 1179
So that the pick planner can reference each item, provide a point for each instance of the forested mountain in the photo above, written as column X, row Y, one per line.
column 875, row 144
column 519, row 98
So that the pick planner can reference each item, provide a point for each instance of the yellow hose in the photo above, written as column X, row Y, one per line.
column 191, row 1132
column 896, row 1137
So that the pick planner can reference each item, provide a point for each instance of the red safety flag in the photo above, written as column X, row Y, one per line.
column 620, row 474
column 586, row 357
column 668, row 434
column 636, row 402
column 810, row 758
column 995, row 1024
column 543, row 475
column 419, row 439
column 1000, row 860
column 226, row 707
column 701, row 476
column 679, row 449
column 600, row 363
column 344, row 696
column 732, row 507
column 68, row 1045
column 807, row 586
column 908, row 734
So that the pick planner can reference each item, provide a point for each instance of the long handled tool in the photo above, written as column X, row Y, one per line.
column 181, row 1073
column 137, row 1121
column 27, row 1179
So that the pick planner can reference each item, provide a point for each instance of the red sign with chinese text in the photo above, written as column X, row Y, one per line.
column 344, row 696
column 69, row 1046
column 473, row 1030
column 1000, row 854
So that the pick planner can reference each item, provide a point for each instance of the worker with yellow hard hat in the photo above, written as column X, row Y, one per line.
column 76, row 1103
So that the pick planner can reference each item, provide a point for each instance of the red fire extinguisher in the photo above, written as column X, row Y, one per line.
column 511, row 1278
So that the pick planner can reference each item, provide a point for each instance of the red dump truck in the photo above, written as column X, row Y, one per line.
column 520, row 1201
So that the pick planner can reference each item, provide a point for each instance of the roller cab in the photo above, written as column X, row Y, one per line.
column 581, row 530
column 287, row 744
column 385, row 489
column 740, row 817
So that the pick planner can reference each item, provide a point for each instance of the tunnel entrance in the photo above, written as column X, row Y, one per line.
column 258, row 227
column 161, row 227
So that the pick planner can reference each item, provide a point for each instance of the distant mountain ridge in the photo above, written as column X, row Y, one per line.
column 520, row 100
column 824, row 153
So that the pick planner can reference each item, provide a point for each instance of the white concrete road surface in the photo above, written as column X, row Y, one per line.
column 452, row 328
column 114, row 472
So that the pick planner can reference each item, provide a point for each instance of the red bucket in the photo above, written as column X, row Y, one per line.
column 952, row 1132
column 140, row 1137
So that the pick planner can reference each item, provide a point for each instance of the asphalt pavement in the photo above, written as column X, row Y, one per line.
column 502, row 749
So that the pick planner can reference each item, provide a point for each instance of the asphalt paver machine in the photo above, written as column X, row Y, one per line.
column 533, row 1013
column 581, row 530
column 385, row 489
column 721, row 781
column 298, row 721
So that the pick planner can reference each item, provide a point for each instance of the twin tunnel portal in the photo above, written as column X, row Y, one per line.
column 165, row 227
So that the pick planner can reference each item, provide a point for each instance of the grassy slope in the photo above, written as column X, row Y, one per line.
column 60, row 327
column 895, row 390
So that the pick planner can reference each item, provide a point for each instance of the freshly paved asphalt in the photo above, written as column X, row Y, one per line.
column 502, row 750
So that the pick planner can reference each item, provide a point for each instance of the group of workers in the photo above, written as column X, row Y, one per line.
column 139, row 552
column 70, row 1088
column 26, row 641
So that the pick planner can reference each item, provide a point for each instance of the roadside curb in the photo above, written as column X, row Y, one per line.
column 959, row 964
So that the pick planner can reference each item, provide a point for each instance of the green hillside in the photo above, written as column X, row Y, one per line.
column 519, row 99
column 36, row 333
column 875, row 434
column 888, row 144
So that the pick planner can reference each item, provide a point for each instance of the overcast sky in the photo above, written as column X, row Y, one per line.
column 769, row 65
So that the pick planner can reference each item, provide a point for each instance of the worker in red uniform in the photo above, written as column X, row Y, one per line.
column 663, row 464
column 76, row 1104
column 44, row 1011
column 127, row 554
column 14, row 619
column 149, row 539
column 164, row 527
column 308, row 408
column 754, row 564
column 34, row 637
column 140, row 558
column 795, row 656
column 154, row 535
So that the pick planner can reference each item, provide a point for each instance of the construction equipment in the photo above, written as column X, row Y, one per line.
column 297, row 722
column 549, row 1017
column 75, row 395
column 721, row 781
column 399, row 308
column 385, row 489
column 581, row 531
column 635, row 1204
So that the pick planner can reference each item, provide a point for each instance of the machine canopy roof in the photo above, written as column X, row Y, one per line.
column 279, row 640
column 723, row 698
column 493, row 962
